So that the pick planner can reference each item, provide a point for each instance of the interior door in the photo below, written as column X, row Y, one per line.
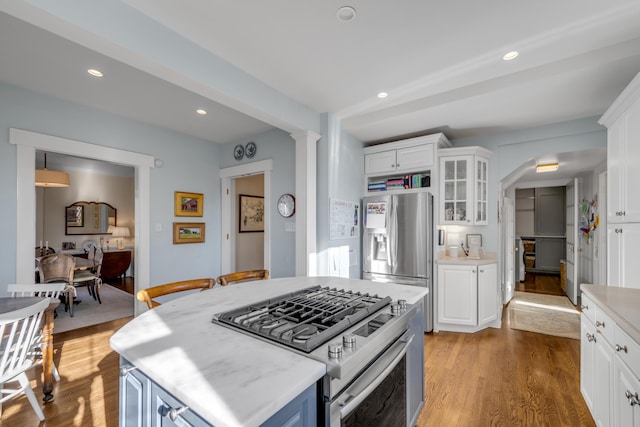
column 509, row 245
column 572, row 239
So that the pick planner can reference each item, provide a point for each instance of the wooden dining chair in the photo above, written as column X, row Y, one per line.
column 243, row 276
column 91, row 278
column 59, row 268
column 17, row 329
column 147, row 295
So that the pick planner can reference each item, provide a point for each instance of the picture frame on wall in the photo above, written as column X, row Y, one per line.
column 75, row 216
column 188, row 232
column 188, row 204
column 251, row 214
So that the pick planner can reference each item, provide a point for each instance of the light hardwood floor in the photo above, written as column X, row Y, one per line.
column 497, row 377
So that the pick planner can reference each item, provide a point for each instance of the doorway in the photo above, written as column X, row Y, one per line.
column 249, row 244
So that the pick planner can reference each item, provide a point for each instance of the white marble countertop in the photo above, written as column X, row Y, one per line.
column 226, row 377
column 621, row 304
column 464, row 260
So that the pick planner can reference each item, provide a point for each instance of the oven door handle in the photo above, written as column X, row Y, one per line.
column 354, row 401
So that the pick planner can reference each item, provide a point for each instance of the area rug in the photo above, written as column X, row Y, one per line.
column 116, row 304
column 544, row 314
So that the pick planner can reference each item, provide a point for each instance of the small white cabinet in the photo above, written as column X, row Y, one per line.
column 623, row 254
column 417, row 157
column 467, row 294
column 464, row 174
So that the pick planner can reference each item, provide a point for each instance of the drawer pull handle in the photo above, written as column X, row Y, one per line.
column 599, row 323
column 173, row 413
column 591, row 337
column 584, row 307
column 621, row 348
column 633, row 399
column 126, row 369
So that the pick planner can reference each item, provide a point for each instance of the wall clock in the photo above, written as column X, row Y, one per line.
column 250, row 149
column 287, row 205
column 238, row 152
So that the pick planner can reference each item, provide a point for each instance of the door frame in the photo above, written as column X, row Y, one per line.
column 227, row 208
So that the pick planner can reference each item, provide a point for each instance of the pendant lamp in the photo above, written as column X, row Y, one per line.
column 47, row 178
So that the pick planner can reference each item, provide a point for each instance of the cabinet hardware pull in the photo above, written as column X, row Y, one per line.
column 634, row 399
column 397, row 165
column 599, row 323
column 126, row 369
column 473, row 271
column 173, row 413
column 584, row 307
column 621, row 348
column 481, row 271
column 591, row 337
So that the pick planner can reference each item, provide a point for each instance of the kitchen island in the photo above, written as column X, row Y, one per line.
column 226, row 377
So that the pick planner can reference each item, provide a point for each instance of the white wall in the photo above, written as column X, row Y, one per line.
column 249, row 246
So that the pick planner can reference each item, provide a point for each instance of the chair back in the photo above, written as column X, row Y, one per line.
column 99, row 256
column 17, row 331
column 48, row 290
column 91, row 252
column 44, row 251
column 242, row 276
column 147, row 295
column 56, row 268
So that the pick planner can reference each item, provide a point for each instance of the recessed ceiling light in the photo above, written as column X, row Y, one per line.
column 95, row 73
column 201, row 112
column 382, row 95
column 510, row 55
column 346, row 14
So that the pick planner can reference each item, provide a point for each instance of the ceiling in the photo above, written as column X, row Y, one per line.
column 440, row 62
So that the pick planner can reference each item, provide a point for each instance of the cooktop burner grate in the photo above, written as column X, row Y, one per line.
column 304, row 319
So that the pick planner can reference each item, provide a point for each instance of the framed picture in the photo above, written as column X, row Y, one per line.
column 474, row 240
column 75, row 216
column 188, row 232
column 251, row 214
column 188, row 204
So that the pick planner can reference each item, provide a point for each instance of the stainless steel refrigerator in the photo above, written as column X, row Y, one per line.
column 397, row 242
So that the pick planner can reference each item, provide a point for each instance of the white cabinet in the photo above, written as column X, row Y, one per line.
column 626, row 396
column 623, row 254
column 464, row 174
column 411, row 160
column 467, row 294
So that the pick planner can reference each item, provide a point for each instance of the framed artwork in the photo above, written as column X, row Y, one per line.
column 75, row 216
column 188, row 204
column 251, row 214
column 188, row 232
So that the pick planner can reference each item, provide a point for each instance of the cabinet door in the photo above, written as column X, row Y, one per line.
column 603, row 374
column 382, row 162
column 631, row 176
column 419, row 157
column 481, row 193
column 487, row 293
column 135, row 389
column 587, row 361
column 623, row 268
column 615, row 172
column 456, row 190
column 457, row 294
column 626, row 388
column 300, row 412
column 168, row 411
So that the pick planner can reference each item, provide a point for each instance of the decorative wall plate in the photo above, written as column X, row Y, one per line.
column 250, row 149
column 238, row 152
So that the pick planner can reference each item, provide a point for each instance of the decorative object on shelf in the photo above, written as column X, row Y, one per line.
column 66, row 246
column 251, row 217
column 589, row 217
column 287, row 205
column 188, row 204
column 188, row 232
column 49, row 178
column 120, row 232
column 250, row 149
column 238, row 152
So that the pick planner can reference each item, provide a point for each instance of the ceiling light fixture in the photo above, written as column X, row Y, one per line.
column 382, row 95
column 201, row 112
column 510, row 55
column 346, row 14
column 547, row 167
column 47, row 178
column 95, row 73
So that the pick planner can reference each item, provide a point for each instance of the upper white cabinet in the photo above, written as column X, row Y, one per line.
column 411, row 161
column 623, row 155
column 464, row 176
column 623, row 254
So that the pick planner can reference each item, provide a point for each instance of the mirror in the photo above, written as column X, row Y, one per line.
column 89, row 218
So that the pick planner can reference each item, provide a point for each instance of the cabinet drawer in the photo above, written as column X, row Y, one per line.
column 605, row 325
column 628, row 350
column 588, row 308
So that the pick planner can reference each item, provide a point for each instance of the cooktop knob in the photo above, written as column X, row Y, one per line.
column 395, row 309
column 349, row 341
column 403, row 304
column 335, row 350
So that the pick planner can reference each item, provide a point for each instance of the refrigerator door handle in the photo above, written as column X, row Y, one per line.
column 393, row 237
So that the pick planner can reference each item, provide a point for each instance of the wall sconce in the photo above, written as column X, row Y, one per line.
column 547, row 167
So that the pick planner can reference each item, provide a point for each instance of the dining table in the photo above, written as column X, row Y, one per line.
column 8, row 304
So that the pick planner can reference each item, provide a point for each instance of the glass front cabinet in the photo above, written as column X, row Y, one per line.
column 464, row 175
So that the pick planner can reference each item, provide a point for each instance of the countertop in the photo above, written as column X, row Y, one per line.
column 621, row 304
column 463, row 260
column 226, row 377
